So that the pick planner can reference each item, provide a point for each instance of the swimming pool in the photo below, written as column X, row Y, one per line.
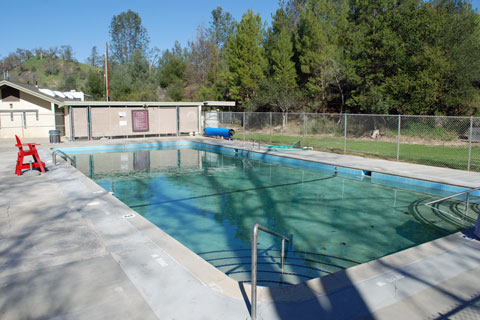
column 209, row 201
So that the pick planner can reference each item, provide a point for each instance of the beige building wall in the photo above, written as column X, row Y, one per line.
column 164, row 120
column 80, row 125
column 113, row 121
column 188, row 119
column 25, row 122
column 117, row 121
column 101, row 121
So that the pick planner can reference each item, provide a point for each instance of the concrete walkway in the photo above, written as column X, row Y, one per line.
column 69, row 250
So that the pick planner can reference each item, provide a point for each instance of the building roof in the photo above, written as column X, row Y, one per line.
column 146, row 104
column 65, row 102
column 34, row 91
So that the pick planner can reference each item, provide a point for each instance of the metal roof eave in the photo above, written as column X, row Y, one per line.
column 143, row 104
column 219, row 103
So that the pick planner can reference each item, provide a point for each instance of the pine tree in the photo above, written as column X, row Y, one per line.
column 221, row 27
column 95, row 59
column 320, row 61
column 245, row 58
column 279, row 90
column 95, row 85
column 127, row 35
column 171, row 72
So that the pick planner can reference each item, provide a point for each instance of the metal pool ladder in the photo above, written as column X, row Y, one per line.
column 257, row 227
column 54, row 157
column 467, row 200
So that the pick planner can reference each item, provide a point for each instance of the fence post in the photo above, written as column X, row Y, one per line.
column 89, row 123
column 470, row 143
column 398, row 136
column 304, row 127
column 72, row 126
column 244, row 125
column 177, row 120
column 345, row 136
column 270, row 127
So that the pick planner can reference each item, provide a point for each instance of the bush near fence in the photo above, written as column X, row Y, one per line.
column 430, row 140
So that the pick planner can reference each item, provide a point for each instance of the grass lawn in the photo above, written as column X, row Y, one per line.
column 441, row 156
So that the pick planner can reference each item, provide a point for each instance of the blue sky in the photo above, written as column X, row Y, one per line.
column 84, row 24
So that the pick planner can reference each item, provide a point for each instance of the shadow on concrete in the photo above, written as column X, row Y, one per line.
column 343, row 300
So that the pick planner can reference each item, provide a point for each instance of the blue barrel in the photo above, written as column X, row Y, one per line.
column 220, row 132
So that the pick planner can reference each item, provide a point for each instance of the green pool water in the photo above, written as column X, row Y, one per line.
column 209, row 202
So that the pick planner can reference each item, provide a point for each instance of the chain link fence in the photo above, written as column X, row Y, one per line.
column 452, row 142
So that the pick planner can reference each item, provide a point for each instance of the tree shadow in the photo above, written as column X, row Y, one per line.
column 341, row 300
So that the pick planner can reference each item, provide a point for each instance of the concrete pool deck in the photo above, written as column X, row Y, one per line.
column 71, row 250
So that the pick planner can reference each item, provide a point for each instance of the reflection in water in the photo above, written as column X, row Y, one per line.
column 210, row 202
column 141, row 161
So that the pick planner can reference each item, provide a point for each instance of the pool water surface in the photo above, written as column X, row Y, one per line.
column 210, row 201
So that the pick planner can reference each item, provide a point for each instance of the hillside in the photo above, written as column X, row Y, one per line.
column 53, row 73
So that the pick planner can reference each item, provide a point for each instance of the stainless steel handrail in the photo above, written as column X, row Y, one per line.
column 467, row 201
column 255, row 229
column 54, row 157
column 452, row 196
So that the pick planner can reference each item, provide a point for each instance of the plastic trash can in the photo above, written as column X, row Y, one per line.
column 54, row 136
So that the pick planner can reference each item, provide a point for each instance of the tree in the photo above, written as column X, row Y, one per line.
column 138, row 68
column 459, row 38
column 127, row 35
column 95, row 85
column 273, row 96
column 283, row 67
column 66, row 53
column 206, row 71
column 69, row 82
column 412, row 75
column 413, row 57
column 153, row 58
column 222, row 27
column 279, row 91
column 171, row 71
column 205, row 63
column 200, row 58
column 121, row 84
column 245, row 58
column 319, row 27
column 95, row 59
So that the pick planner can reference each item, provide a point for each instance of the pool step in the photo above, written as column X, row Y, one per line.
column 299, row 266
column 449, row 214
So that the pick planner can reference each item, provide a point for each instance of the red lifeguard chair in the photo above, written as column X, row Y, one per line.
column 32, row 151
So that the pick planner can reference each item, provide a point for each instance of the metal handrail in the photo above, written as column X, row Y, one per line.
column 54, row 157
column 467, row 201
column 255, row 229
column 453, row 196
